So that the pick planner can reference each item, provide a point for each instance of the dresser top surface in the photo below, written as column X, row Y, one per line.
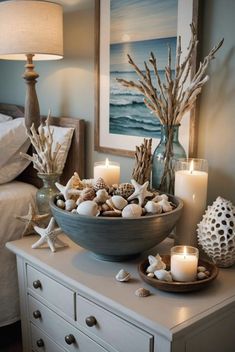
column 95, row 279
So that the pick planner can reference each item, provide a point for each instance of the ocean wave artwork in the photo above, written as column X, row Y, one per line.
column 128, row 113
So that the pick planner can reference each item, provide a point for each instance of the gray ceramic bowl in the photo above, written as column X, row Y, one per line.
column 117, row 239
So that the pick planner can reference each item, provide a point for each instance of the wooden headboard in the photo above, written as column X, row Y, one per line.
column 75, row 159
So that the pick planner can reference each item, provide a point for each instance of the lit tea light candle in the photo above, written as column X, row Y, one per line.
column 109, row 171
column 191, row 186
column 184, row 262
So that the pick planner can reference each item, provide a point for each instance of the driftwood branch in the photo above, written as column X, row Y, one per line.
column 143, row 162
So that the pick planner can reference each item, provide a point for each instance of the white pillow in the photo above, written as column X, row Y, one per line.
column 12, row 137
column 4, row 118
column 63, row 136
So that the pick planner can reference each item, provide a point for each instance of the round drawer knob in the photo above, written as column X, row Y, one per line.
column 91, row 321
column 37, row 314
column 69, row 339
column 37, row 284
column 40, row 343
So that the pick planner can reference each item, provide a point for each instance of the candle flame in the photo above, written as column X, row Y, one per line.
column 191, row 167
column 185, row 252
column 107, row 162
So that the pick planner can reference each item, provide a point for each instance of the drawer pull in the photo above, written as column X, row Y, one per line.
column 69, row 339
column 37, row 284
column 40, row 343
column 37, row 314
column 91, row 321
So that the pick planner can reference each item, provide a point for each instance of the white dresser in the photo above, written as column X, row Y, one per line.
column 71, row 301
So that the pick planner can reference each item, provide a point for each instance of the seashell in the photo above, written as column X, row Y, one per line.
column 216, row 232
column 166, row 206
column 142, row 292
column 105, row 207
column 156, row 263
column 201, row 275
column 86, row 194
column 163, row 275
column 89, row 208
column 101, row 196
column 201, row 269
column 123, row 276
column 112, row 213
column 132, row 211
column 124, row 190
column 153, row 208
column 76, row 181
column 160, row 197
column 207, row 273
column 60, row 203
column 70, row 204
column 74, row 211
column 140, row 192
column 99, row 184
column 117, row 202
column 150, row 275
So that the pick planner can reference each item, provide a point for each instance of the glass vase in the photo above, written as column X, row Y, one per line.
column 168, row 151
column 48, row 190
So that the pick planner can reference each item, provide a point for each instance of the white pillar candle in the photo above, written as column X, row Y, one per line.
column 184, row 261
column 191, row 186
column 109, row 171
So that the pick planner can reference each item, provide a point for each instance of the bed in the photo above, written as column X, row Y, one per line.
column 15, row 197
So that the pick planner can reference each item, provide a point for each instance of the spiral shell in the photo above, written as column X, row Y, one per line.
column 100, row 184
column 124, row 190
column 216, row 232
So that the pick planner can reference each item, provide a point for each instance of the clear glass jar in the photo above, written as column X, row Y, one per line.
column 168, row 151
column 44, row 193
column 184, row 262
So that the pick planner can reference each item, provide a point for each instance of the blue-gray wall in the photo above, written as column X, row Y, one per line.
column 68, row 87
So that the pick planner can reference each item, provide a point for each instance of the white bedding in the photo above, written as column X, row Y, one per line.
column 14, row 200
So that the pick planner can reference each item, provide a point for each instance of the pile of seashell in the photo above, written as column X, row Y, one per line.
column 157, row 269
column 95, row 198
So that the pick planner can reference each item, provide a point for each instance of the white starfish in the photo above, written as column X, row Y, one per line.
column 31, row 219
column 140, row 192
column 67, row 190
column 49, row 235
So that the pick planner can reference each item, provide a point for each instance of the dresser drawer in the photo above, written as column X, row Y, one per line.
column 54, row 293
column 41, row 342
column 113, row 330
column 57, row 328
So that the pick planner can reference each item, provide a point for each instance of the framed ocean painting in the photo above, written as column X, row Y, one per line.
column 137, row 28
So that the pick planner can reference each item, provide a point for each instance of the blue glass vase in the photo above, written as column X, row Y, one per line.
column 165, row 155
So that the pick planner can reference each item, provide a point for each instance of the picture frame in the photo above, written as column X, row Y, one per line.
column 124, row 144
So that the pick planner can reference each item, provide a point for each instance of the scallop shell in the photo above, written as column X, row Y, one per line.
column 70, row 204
column 101, row 196
column 100, row 184
column 124, row 190
column 123, row 276
column 163, row 275
column 153, row 208
column 216, row 232
column 89, row 208
column 142, row 292
column 117, row 202
column 132, row 211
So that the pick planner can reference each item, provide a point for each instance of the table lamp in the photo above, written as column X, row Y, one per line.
column 30, row 30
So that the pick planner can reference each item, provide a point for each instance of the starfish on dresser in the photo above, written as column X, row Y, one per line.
column 140, row 192
column 67, row 190
column 31, row 219
column 49, row 235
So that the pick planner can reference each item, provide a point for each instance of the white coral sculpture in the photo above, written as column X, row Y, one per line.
column 45, row 158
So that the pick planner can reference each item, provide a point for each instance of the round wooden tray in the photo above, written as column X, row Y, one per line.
column 177, row 286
